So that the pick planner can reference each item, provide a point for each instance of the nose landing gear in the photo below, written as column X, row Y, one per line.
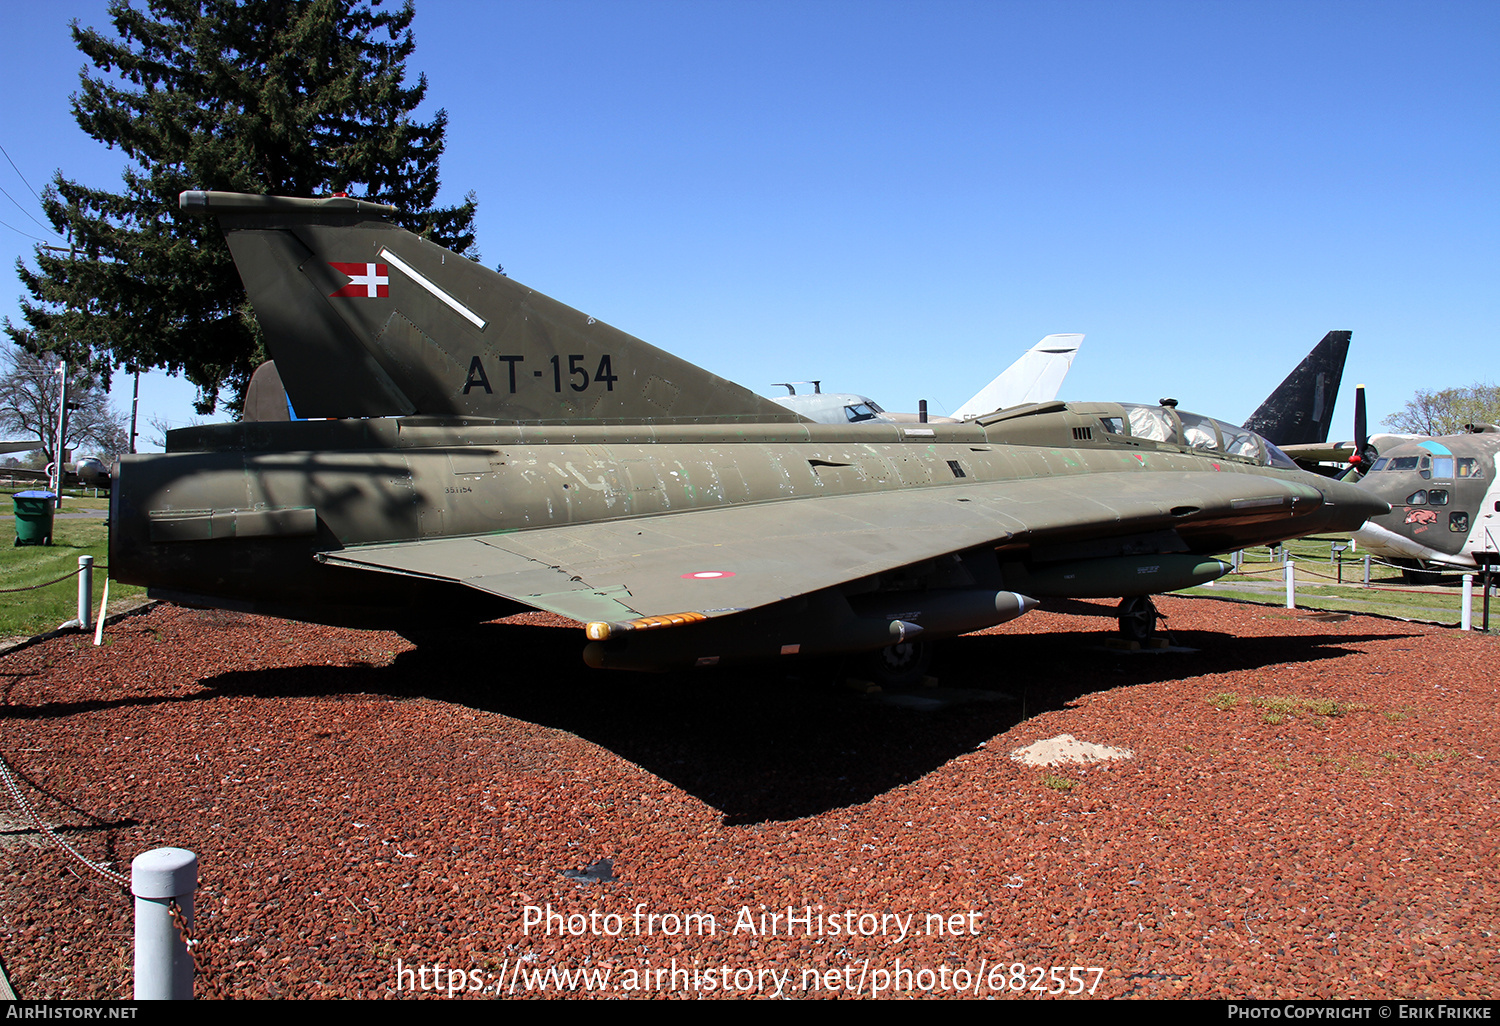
column 1138, row 617
column 898, row 665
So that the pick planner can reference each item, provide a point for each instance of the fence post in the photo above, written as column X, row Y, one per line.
column 1288, row 571
column 163, row 965
column 85, row 593
column 1367, row 569
column 1466, row 618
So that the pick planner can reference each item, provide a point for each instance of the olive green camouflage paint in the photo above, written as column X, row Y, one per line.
column 496, row 450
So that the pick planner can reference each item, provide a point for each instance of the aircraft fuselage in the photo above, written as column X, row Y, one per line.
column 243, row 516
column 1444, row 495
column 499, row 450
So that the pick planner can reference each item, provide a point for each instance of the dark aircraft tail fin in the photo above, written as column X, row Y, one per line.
column 1300, row 411
column 266, row 398
column 365, row 319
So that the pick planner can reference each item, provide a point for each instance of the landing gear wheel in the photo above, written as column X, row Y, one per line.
column 1138, row 617
column 898, row 665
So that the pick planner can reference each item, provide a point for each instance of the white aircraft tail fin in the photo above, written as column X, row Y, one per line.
column 1035, row 378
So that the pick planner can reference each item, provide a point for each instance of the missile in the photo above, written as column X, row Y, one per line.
column 1115, row 577
column 822, row 624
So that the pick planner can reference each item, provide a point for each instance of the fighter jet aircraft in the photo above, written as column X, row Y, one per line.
column 498, row 451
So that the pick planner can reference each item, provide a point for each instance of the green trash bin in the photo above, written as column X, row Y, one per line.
column 34, row 517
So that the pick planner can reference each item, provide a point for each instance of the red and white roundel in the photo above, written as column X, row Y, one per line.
column 707, row 575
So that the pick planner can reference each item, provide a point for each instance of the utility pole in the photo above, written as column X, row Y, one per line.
column 55, row 479
column 135, row 404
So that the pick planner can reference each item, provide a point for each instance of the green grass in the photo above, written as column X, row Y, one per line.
column 1422, row 759
column 1278, row 709
column 1290, row 705
column 1260, row 581
column 1057, row 783
column 25, row 613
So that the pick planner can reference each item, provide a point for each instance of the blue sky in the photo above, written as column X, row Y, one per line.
column 899, row 198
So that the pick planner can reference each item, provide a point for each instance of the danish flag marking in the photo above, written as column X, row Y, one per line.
column 368, row 280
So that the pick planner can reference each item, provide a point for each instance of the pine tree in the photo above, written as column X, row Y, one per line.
column 291, row 97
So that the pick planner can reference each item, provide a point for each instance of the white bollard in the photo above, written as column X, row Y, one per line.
column 1466, row 618
column 1287, row 571
column 163, row 965
column 85, row 593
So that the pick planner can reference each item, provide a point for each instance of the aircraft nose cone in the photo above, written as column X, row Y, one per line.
column 1354, row 500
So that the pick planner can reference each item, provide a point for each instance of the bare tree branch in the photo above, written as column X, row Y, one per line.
column 29, row 394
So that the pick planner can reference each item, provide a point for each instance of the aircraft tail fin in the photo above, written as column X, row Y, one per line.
column 1300, row 411
column 365, row 319
column 266, row 398
column 1034, row 378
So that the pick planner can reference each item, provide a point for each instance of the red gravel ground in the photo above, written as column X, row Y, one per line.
column 364, row 810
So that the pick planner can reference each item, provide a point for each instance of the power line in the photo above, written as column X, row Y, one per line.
column 17, row 202
column 19, row 175
column 27, row 234
column 27, row 212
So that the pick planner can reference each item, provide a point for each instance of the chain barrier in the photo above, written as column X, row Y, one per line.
column 1279, row 568
column 1303, row 568
column 48, row 584
column 1275, row 568
column 13, row 786
column 1409, row 569
column 192, row 944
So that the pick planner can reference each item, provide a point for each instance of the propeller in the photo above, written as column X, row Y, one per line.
column 1364, row 453
column 1367, row 452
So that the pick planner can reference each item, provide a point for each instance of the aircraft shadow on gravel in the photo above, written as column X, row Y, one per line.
column 762, row 744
